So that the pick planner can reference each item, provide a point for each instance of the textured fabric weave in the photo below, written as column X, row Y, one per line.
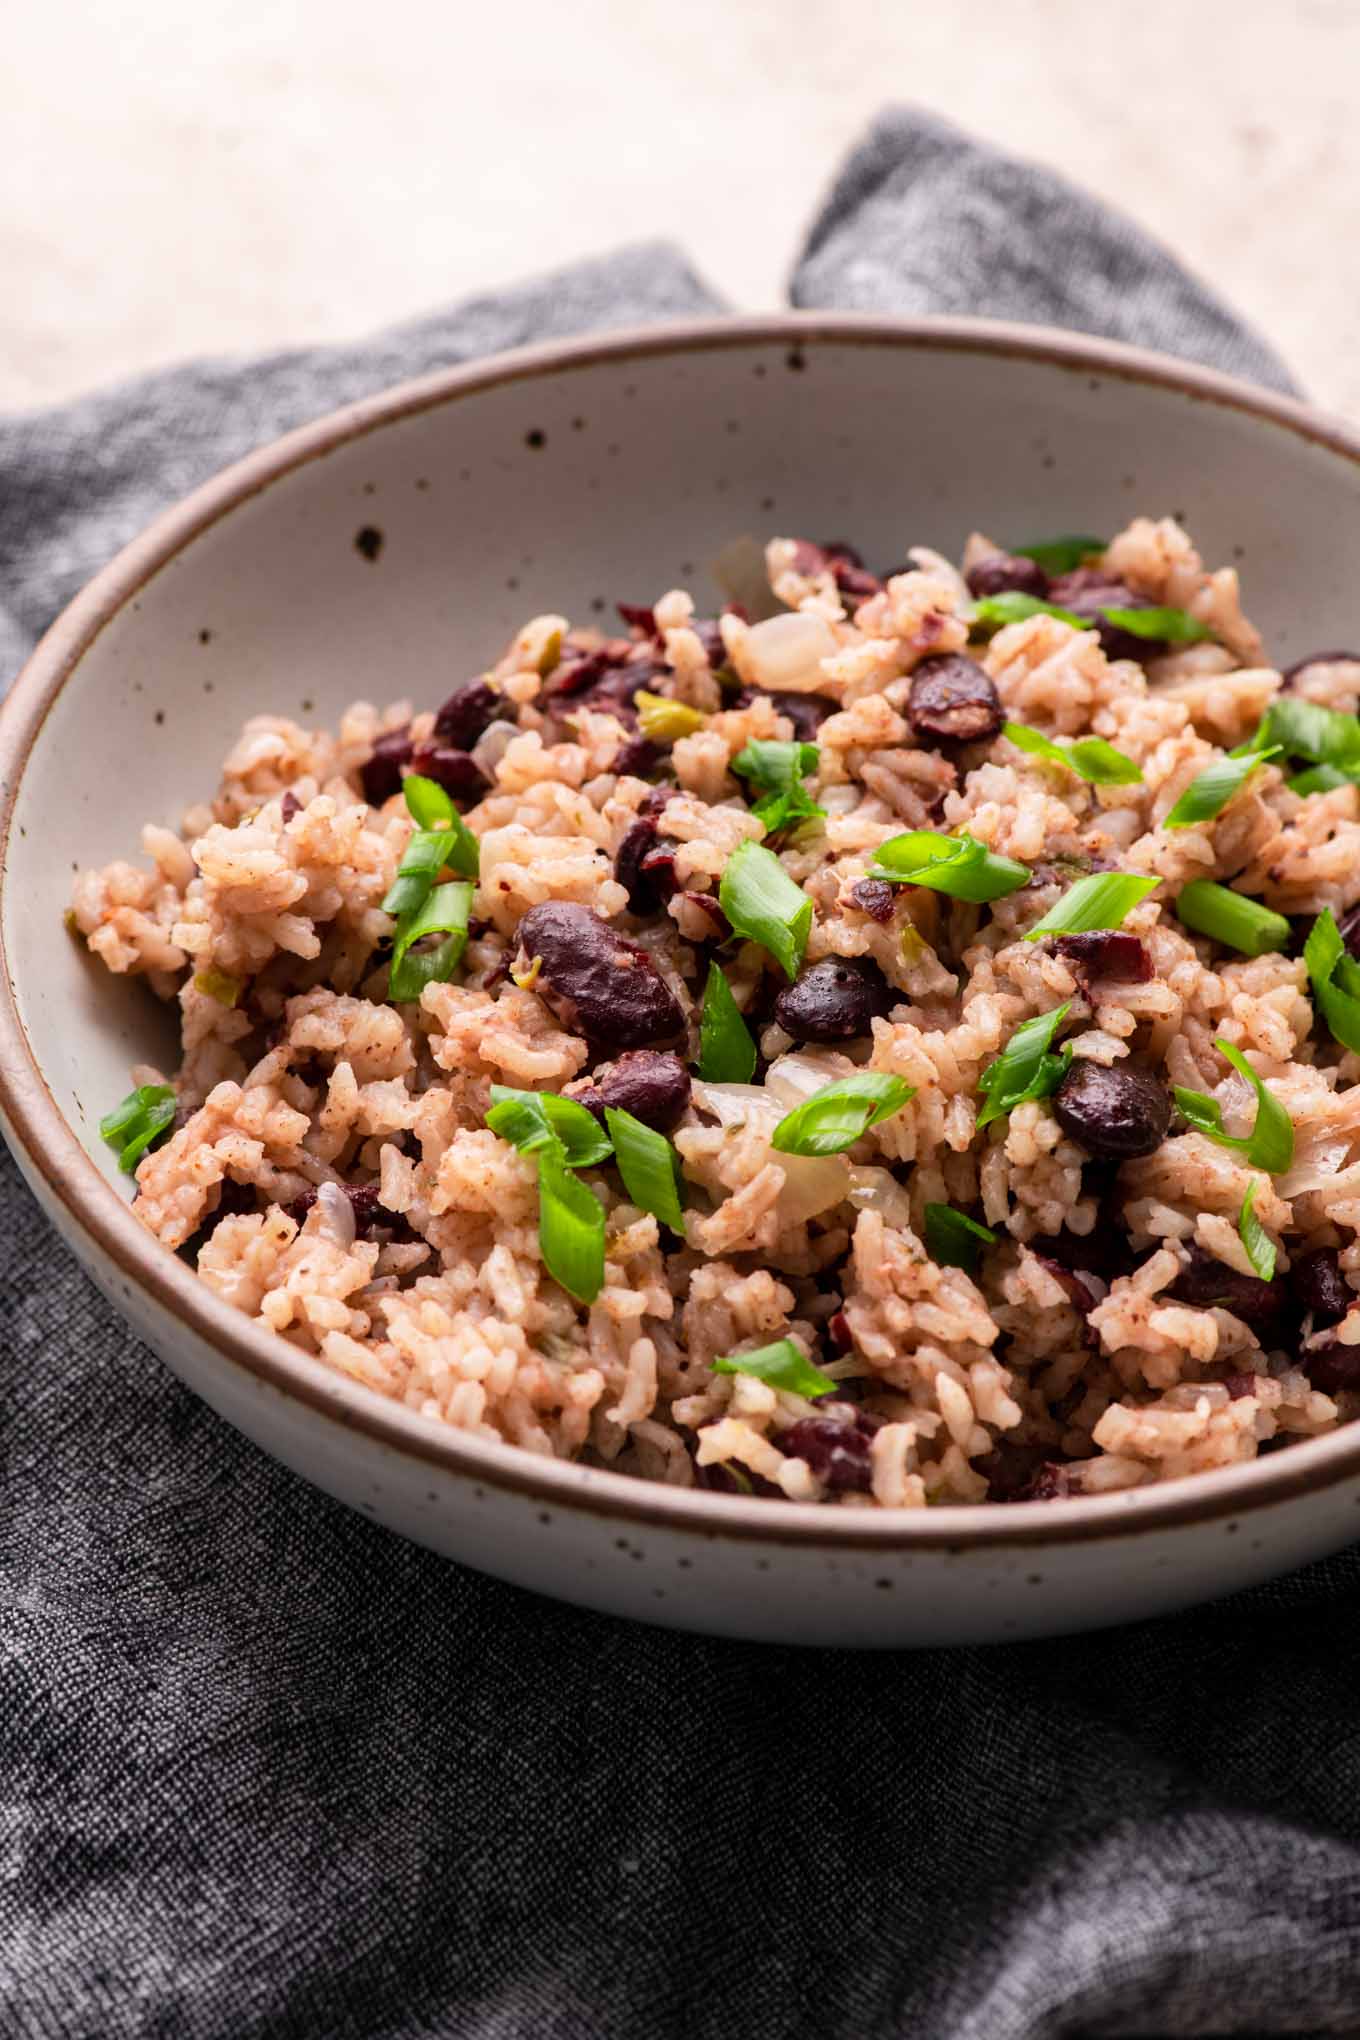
column 265, row 1771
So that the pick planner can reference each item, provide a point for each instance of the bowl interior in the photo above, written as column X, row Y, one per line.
column 396, row 561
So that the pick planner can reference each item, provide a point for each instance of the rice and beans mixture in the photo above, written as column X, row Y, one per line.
column 895, row 1043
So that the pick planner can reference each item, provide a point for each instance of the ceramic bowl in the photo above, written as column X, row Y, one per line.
column 390, row 550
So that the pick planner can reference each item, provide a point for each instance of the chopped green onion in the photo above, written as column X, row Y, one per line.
column 1305, row 729
column 570, row 1229
column 780, row 769
column 1101, row 901
column 532, row 1120
column 782, row 1366
column 664, row 720
column 764, row 905
column 727, row 1052
column 834, row 1118
column 1270, row 1144
column 954, row 1240
column 1320, row 779
column 1024, row 1069
column 1091, row 758
column 422, row 861
column 1231, row 918
column 1254, row 1237
column 445, row 913
column 216, row 984
column 1210, row 793
column 1325, row 956
column 1062, row 555
column 138, row 1123
column 1171, row 626
column 957, row 865
column 430, row 804
column 647, row 1165
column 994, row 612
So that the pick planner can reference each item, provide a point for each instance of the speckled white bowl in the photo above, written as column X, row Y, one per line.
column 390, row 550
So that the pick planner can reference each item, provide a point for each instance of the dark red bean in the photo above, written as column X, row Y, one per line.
column 290, row 805
column 953, row 701
column 642, row 888
column 709, row 633
column 838, row 1449
column 835, row 1000
column 458, row 772
column 1332, row 1367
column 1086, row 591
column 718, row 1480
column 874, row 897
column 469, row 711
column 1052, row 1483
column 1010, row 1469
column 838, row 1329
column 595, row 980
column 653, row 1084
column 380, row 776
column 1239, row 1385
column 1001, row 573
column 1300, row 666
column 1107, row 956
column 1317, row 1284
column 1208, row 1284
column 1114, row 1114
column 638, row 617
column 1104, row 1252
column 638, row 756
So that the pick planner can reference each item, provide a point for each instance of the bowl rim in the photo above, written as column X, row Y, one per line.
column 51, row 1152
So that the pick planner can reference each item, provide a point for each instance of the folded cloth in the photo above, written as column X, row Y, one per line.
column 266, row 1771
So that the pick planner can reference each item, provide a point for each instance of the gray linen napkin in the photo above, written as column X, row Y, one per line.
column 266, row 1771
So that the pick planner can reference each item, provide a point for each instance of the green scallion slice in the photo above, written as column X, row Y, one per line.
column 430, row 807
column 727, row 1051
column 1270, row 1144
column 779, row 769
column 957, row 865
column 1061, row 555
column 138, row 1123
column 994, row 612
column 1210, row 793
column 1254, row 1237
column 1024, row 1069
column 570, row 1229
column 1324, row 955
column 764, row 905
column 1231, row 918
column 1305, row 729
column 1103, row 900
column 1091, row 758
column 647, row 1164
column 1320, row 779
column 835, row 1117
column 1170, row 626
column 782, row 1365
column 444, row 913
column 954, row 1240
column 534, row 1120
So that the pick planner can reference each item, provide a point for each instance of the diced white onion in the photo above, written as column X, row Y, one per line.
column 784, row 654
column 336, row 1221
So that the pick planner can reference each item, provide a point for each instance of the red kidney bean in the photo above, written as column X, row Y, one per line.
column 1001, row 573
column 1114, row 1114
column 595, row 980
column 380, row 775
column 469, row 711
column 461, row 777
column 835, row 1000
column 653, row 1084
column 952, row 700
column 1107, row 956
column 1086, row 591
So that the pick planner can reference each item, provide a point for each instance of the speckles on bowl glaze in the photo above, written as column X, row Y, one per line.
column 369, row 542
column 536, row 439
column 205, row 636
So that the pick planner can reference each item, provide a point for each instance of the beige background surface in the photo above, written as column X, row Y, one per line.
column 249, row 172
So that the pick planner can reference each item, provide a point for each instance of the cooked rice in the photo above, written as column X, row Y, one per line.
column 263, row 918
